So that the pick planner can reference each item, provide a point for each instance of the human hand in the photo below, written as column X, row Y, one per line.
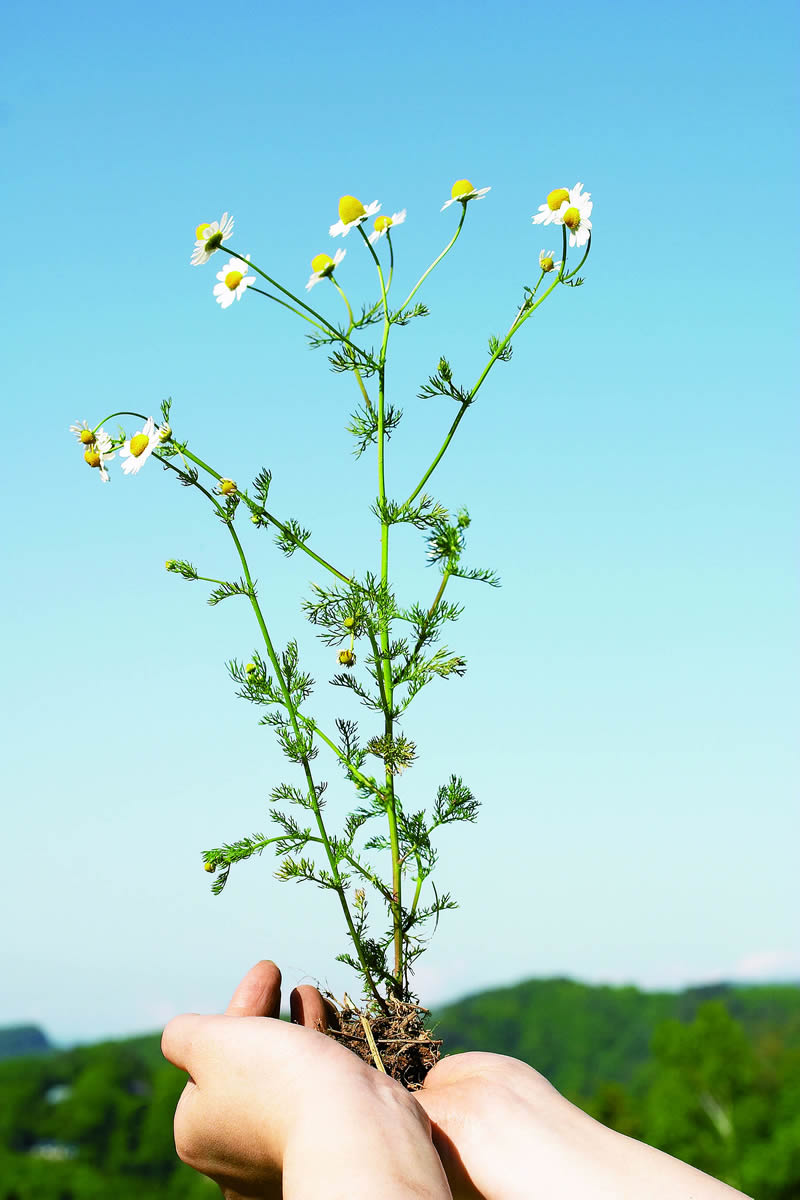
column 276, row 1110
column 503, row 1132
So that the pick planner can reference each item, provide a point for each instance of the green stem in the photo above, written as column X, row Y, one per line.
column 331, row 328
column 290, row 307
column 312, row 791
column 367, row 783
column 435, row 262
column 575, row 270
column 423, row 631
column 275, row 521
column 391, row 800
column 356, row 371
column 516, row 324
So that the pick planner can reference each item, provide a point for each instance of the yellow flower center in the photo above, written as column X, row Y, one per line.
column 461, row 187
column 92, row 458
column 546, row 264
column 572, row 219
column 200, row 232
column 87, row 437
column 557, row 198
column 322, row 264
column 350, row 209
column 139, row 444
column 233, row 279
column 382, row 223
column 226, row 486
column 347, row 658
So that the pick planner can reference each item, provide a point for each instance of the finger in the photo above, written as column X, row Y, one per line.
column 179, row 1038
column 259, row 993
column 308, row 1008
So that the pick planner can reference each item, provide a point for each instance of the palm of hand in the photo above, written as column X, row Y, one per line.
column 480, row 1107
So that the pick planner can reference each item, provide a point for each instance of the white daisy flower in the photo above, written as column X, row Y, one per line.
column 352, row 213
column 210, row 238
column 97, row 457
column 575, row 215
column 463, row 190
column 549, row 210
column 572, row 208
column 137, row 449
column 382, row 225
column 83, row 433
column 323, row 266
column 547, row 261
column 233, row 282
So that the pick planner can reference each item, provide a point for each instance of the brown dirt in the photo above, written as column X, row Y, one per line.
column 403, row 1042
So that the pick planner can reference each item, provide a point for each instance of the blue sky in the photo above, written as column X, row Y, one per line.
column 629, row 717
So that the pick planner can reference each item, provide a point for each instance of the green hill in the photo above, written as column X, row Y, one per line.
column 580, row 1035
column 22, row 1039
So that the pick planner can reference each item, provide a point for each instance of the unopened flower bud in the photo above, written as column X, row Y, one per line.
column 251, row 668
column 92, row 458
column 347, row 658
column 165, row 433
column 360, row 897
column 349, row 622
column 227, row 486
column 171, row 565
column 209, row 866
column 444, row 370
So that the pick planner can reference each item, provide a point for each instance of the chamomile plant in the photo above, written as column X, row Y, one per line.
column 376, row 853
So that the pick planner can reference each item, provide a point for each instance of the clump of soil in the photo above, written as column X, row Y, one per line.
column 401, row 1040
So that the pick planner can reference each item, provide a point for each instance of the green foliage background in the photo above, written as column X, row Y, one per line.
column 710, row 1075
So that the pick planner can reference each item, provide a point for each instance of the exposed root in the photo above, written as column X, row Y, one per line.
column 396, row 1041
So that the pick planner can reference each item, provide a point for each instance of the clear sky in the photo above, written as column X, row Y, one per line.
column 629, row 718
